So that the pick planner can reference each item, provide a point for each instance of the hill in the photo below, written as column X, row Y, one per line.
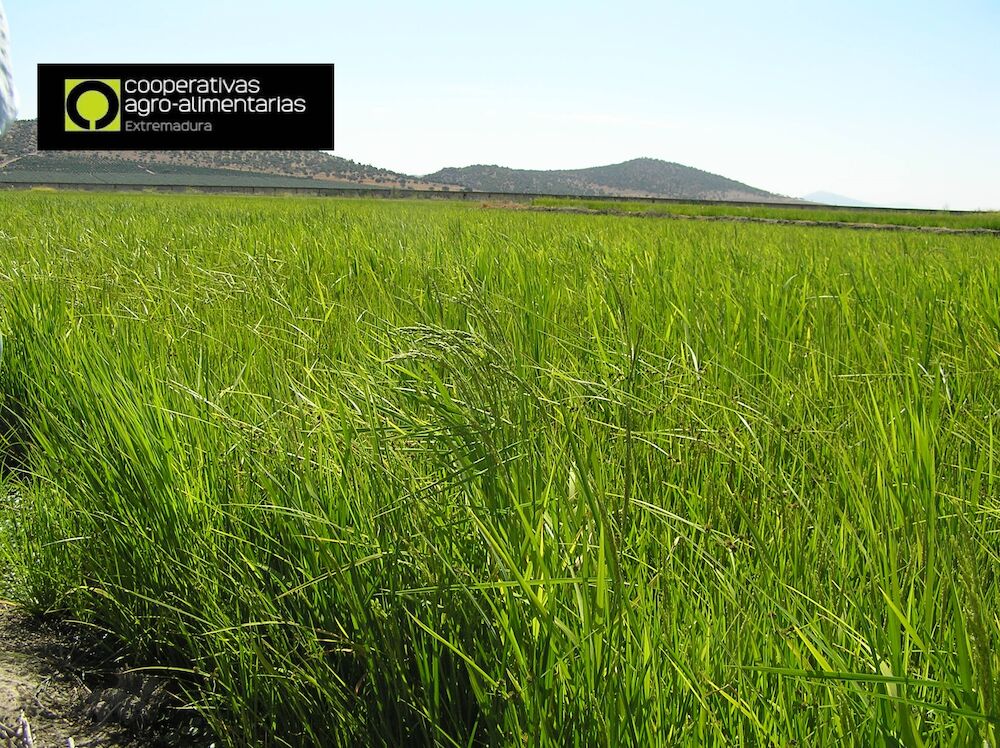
column 20, row 161
column 640, row 177
column 20, row 158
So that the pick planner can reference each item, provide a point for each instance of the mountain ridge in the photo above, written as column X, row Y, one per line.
column 20, row 161
column 638, row 177
column 19, row 150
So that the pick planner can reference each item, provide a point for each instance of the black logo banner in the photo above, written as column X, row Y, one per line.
column 185, row 107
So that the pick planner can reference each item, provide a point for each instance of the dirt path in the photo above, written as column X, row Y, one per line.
column 50, row 675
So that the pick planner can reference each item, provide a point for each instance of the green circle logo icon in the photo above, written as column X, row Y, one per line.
column 93, row 105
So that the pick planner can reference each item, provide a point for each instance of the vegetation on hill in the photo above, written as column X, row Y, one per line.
column 18, row 151
column 638, row 177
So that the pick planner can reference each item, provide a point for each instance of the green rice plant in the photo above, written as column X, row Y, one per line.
column 969, row 220
column 368, row 473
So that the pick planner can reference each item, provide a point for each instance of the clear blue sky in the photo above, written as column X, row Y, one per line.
column 888, row 102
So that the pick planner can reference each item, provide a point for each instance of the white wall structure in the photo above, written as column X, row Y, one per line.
column 8, row 98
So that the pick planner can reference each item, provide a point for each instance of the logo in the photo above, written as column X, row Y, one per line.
column 153, row 107
column 93, row 105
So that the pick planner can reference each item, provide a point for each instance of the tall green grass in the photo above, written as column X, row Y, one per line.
column 415, row 474
column 970, row 220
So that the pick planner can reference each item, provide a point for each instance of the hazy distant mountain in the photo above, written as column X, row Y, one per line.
column 639, row 177
column 830, row 198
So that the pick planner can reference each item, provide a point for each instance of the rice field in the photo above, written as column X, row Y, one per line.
column 373, row 473
column 967, row 221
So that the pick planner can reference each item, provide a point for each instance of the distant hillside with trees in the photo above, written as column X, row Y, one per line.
column 18, row 153
column 20, row 161
column 646, row 177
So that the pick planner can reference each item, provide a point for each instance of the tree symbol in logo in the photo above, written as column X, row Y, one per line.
column 93, row 105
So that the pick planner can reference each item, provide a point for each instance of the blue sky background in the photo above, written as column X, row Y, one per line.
column 894, row 103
